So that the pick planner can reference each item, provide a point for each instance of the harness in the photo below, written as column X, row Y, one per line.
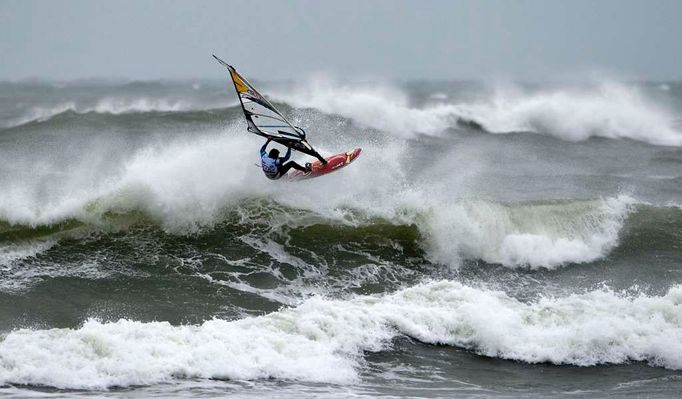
column 270, row 167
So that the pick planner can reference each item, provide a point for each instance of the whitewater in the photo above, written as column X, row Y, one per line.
column 488, row 235
column 322, row 340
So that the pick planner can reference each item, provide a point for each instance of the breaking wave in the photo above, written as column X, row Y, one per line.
column 523, row 235
column 115, row 106
column 533, row 235
column 323, row 340
column 188, row 186
column 608, row 110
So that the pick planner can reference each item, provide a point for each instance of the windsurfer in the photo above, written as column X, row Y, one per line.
column 275, row 167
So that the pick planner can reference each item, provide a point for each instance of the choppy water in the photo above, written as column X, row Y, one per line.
column 490, row 241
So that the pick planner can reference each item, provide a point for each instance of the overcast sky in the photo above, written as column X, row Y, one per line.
column 391, row 39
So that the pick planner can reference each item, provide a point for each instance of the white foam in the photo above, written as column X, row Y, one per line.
column 124, row 105
column 323, row 340
column 11, row 252
column 439, row 96
column 378, row 106
column 610, row 110
column 18, row 278
column 40, row 114
column 531, row 235
column 607, row 110
column 184, row 183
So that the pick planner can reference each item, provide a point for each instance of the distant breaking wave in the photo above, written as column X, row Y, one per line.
column 115, row 106
column 608, row 110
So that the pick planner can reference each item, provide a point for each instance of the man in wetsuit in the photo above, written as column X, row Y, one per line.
column 275, row 167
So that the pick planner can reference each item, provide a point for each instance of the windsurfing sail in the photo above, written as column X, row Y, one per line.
column 264, row 119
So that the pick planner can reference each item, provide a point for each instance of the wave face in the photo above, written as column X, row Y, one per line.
column 522, row 230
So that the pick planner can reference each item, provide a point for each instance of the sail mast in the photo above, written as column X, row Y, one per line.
column 264, row 119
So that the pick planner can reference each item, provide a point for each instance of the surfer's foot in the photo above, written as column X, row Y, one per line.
column 309, row 166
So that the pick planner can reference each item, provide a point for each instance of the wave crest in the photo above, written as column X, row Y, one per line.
column 607, row 110
column 113, row 106
column 532, row 235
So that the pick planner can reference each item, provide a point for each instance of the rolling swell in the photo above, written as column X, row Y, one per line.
column 152, row 117
column 90, row 118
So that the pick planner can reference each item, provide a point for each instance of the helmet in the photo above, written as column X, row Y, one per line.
column 274, row 153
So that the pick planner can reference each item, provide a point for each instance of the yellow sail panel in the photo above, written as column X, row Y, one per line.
column 238, row 82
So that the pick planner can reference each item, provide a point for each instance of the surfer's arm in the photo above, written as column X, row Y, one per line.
column 262, row 149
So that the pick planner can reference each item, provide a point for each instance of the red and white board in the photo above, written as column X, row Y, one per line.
column 334, row 163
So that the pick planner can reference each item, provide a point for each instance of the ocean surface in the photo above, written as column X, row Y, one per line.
column 492, row 240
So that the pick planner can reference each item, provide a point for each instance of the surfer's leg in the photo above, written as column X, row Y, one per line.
column 291, row 164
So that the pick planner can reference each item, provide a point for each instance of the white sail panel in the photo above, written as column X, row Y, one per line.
column 260, row 113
